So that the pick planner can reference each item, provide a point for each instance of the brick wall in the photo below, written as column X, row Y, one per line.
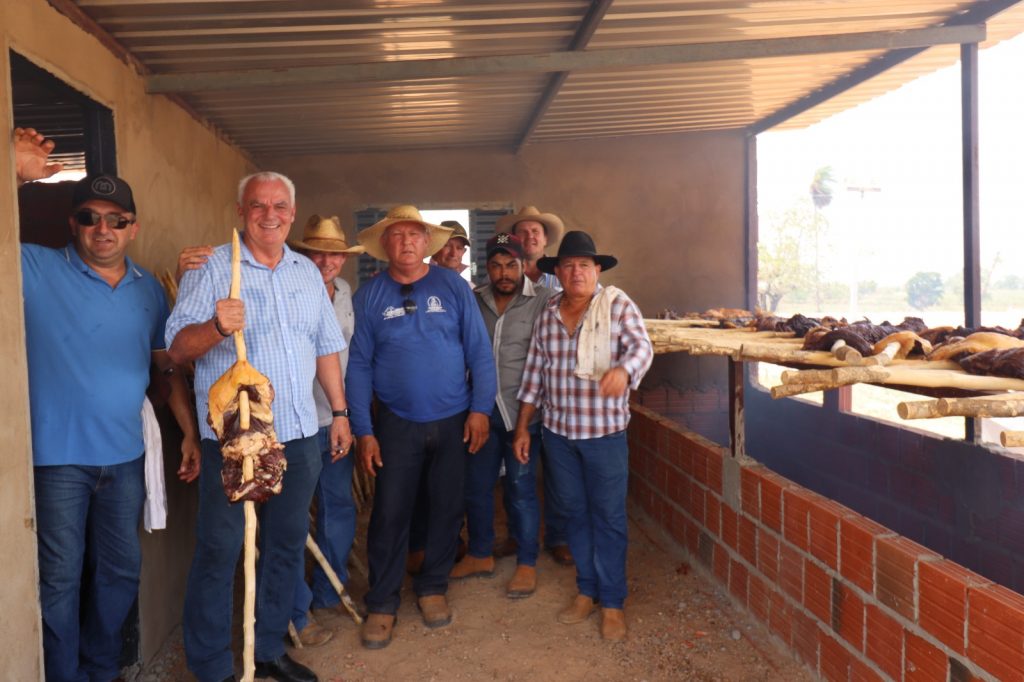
column 851, row 598
column 704, row 410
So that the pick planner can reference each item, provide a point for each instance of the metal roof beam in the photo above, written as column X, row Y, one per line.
column 584, row 33
column 554, row 62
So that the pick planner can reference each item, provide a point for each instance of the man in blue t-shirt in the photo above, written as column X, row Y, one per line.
column 94, row 322
column 418, row 333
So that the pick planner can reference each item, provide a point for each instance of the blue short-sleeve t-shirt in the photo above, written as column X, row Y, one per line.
column 89, row 349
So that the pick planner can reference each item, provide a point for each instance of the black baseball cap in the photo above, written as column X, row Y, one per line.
column 104, row 188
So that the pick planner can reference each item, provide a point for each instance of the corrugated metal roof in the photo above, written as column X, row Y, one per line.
column 240, row 36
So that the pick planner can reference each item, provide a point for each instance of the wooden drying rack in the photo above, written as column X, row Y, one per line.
column 954, row 392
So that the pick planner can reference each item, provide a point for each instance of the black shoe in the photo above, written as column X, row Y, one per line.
column 284, row 669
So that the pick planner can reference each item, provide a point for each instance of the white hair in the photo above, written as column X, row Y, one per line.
column 266, row 176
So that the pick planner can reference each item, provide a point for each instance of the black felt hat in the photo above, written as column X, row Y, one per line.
column 576, row 243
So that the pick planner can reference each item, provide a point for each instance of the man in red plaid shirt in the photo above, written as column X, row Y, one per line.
column 589, row 347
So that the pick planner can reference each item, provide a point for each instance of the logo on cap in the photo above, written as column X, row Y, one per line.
column 104, row 186
column 503, row 238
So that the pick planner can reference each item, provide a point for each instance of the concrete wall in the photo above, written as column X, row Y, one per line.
column 184, row 178
column 669, row 207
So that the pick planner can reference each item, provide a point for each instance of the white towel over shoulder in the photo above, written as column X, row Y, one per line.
column 154, row 513
column 594, row 347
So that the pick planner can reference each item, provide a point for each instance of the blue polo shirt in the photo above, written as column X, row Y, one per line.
column 89, row 348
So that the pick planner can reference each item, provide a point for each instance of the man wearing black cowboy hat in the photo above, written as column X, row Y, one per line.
column 589, row 348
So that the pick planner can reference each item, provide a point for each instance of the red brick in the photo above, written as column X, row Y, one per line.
column 835, row 659
column 791, row 572
column 942, row 588
column 857, row 551
column 696, row 506
column 861, row 672
column 824, row 532
column 675, row 484
column 712, row 513
column 995, row 630
column 730, row 527
column 699, row 458
column 884, row 644
column 692, row 536
column 805, row 638
column 818, row 592
column 714, row 463
column 779, row 621
column 922, row 661
column 721, row 564
column 748, row 540
column 895, row 570
column 796, row 507
column 848, row 614
column 750, row 486
column 771, row 503
column 768, row 556
column 738, row 580
column 758, row 597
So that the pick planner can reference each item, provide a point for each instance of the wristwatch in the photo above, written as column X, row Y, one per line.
column 340, row 413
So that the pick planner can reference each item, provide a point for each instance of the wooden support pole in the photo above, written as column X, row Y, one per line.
column 919, row 409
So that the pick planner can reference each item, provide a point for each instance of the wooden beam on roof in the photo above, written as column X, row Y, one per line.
column 584, row 33
column 553, row 62
column 978, row 14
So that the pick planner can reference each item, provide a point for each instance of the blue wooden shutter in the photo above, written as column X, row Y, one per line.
column 368, row 265
column 481, row 228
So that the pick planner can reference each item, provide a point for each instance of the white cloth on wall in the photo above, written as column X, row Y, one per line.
column 594, row 347
column 154, row 513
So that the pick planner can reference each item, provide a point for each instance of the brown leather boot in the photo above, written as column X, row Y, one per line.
column 523, row 583
column 414, row 562
column 377, row 629
column 434, row 608
column 561, row 555
column 473, row 566
column 507, row 547
column 613, row 624
column 579, row 610
column 313, row 634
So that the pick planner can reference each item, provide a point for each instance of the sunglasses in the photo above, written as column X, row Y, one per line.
column 408, row 304
column 114, row 221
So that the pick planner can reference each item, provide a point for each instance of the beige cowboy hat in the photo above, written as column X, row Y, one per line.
column 370, row 237
column 552, row 223
column 325, row 234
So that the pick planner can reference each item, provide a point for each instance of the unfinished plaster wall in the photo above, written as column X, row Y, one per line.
column 670, row 207
column 184, row 179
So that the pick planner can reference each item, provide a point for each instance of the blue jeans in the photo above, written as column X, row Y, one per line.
column 413, row 452
column 589, row 478
column 220, row 531
column 87, row 517
column 335, row 530
column 555, row 533
column 520, row 486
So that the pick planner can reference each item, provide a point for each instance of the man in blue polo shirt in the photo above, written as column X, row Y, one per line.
column 418, row 333
column 94, row 321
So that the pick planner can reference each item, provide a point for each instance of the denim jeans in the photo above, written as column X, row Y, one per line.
column 335, row 530
column 520, row 487
column 87, row 518
column 555, row 533
column 220, row 530
column 411, row 451
column 589, row 478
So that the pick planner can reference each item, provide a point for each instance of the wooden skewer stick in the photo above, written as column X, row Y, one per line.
column 249, row 605
column 293, row 635
column 1012, row 439
column 346, row 601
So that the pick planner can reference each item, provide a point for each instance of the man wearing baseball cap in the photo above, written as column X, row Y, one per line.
column 94, row 322
column 451, row 254
column 510, row 304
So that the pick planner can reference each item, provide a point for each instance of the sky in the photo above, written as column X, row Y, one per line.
column 905, row 147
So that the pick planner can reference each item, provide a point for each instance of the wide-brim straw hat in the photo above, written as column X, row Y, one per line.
column 325, row 234
column 370, row 237
column 550, row 221
column 576, row 243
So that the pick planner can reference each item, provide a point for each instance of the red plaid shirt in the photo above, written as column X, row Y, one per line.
column 572, row 407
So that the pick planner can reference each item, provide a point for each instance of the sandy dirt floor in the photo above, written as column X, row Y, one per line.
column 681, row 627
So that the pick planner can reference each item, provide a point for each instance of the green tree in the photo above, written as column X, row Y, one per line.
column 924, row 289
column 821, row 191
column 781, row 267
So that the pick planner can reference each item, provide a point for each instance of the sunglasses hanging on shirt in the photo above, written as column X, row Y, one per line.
column 408, row 304
column 115, row 221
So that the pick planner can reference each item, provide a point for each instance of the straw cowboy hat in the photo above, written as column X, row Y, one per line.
column 576, row 243
column 552, row 224
column 370, row 237
column 458, row 231
column 325, row 234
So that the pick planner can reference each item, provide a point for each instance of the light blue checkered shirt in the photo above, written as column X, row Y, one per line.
column 289, row 323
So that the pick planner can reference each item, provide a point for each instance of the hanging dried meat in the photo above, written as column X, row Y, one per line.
column 978, row 342
column 861, row 335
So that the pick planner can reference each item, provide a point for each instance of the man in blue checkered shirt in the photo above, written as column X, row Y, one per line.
column 292, row 335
